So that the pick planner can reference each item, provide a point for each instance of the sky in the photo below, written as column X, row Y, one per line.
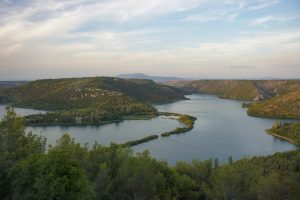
column 185, row 38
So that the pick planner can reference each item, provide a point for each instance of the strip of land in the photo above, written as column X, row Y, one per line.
column 187, row 120
column 140, row 141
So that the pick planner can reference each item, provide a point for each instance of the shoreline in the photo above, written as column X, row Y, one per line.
column 269, row 132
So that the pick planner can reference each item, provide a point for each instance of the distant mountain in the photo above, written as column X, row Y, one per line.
column 157, row 79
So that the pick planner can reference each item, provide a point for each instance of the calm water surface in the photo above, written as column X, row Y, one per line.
column 222, row 129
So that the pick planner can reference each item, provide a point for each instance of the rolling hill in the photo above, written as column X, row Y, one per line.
column 89, row 99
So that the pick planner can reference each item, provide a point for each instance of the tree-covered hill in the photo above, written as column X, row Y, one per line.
column 89, row 100
column 58, row 94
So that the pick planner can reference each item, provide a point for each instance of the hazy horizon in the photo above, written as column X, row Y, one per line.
column 187, row 78
column 195, row 39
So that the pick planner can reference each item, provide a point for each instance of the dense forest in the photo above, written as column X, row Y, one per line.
column 272, row 98
column 70, row 171
column 94, row 100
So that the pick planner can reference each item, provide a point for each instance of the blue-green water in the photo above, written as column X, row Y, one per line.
column 222, row 129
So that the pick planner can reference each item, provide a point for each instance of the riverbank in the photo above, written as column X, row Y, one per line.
column 281, row 137
column 286, row 131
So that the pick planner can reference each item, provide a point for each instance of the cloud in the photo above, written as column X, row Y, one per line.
column 38, row 22
column 229, row 10
column 213, row 16
column 241, row 67
column 271, row 18
column 261, row 4
column 251, row 5
column 51, row 36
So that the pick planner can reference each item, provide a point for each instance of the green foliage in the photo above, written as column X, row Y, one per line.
column 57, row 175
column 15, row 145
column 70, row 171
column 275, row 186
column 234, row 181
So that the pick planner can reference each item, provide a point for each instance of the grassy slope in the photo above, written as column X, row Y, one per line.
column 285, row 105
column 289, row 132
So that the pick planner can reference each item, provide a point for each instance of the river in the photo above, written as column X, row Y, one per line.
column 222, row 129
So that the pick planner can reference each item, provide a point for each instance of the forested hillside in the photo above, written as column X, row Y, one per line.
column 273, row 98
column 57, row 94
column 89, row 100
column 69, row 171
